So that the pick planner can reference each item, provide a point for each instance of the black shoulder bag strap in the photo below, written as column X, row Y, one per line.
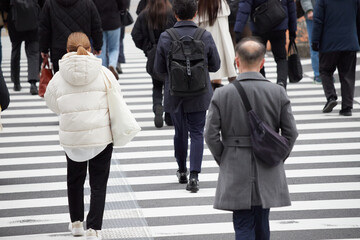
column 243, row 95
column 198, row 33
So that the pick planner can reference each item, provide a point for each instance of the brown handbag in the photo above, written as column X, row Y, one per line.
column 45, row 76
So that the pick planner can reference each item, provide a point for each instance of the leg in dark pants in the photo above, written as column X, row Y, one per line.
column 157, row 94
column 252, row 224
column 180, row 139
column 99, row 169
column 76, row 175
column 195, row 125
column 327, row 67
column 15, row 62
column 346, row 67
column 32, row 54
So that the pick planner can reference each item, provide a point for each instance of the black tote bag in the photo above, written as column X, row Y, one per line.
column 295, row 70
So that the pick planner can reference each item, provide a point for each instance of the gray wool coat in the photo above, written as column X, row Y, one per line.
column 241, row 175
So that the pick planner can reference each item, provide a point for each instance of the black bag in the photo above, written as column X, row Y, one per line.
column 233, row 5
column 268, row 15
column 150, row 54
column 25, row 14
column 187, row 68
column 268, row 146
column 295, row 70
column 125, row 18
column 299, row 10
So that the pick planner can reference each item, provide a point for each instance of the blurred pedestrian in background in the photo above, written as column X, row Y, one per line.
column 4, row 96
column 23, row 24
column 335, row 37
column 77, row 96
column 110, row 21
column 276, row 36
column 246, row 185
column 59, row 18
column 213, row 16
column 152, row 21
column 308, row 7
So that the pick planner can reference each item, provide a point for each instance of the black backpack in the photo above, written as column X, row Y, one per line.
column 25, row 14
column 188, row 74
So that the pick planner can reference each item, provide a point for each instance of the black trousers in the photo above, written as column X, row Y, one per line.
column 99, row 169
column 345, row 62
column 157, row 94
column 278, row 43
column 32, row 54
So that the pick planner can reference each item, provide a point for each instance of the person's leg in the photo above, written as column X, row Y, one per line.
column 262, row 228
column 104, row 48
column 121, row 58
column 346, row 68
column 99, row 169
column 76, row 175
column 157, row 97
column 244, row 224
column 15, row 64
column 113, row 46
column 32, row 54
column 313, row 54
column 278, row 43
column 180, row 139
column 0, row 47
column 264, row 39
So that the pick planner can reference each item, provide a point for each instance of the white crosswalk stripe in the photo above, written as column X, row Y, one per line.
column 323, row 172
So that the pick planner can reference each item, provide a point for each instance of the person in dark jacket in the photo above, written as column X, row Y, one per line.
column 277, row 36
column 157, row 17
column 187, row 113
column 335, row 37
column 60, row 18
column 110, row 21
column 29, row 35
column 4, row 93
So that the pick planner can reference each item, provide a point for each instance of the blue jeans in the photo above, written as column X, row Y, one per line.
column 184, row 123
column 110, row 48
column 314, row 55
column 252, row 224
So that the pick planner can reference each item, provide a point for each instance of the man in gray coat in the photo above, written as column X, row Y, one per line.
column 245, row 185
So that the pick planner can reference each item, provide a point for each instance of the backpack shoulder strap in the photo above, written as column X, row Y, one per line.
column 173, row 34
column 243, row 95
column 198, row 33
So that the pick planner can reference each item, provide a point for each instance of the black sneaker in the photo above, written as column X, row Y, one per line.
column 17, row 87
column 158, row 120
column 345, row 112
column 331, row 103
column 193, row 185
column 33, row 89
column 118, row 68
column 182, row 177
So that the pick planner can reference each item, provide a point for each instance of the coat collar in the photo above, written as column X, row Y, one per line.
column 185, row 24
column 251, row 76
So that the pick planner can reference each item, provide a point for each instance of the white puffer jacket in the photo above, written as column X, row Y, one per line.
column 77, row 93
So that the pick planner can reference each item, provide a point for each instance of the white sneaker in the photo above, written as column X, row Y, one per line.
column 92, row 234
column 76, row 228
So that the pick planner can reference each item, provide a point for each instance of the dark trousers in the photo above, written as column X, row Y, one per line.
column 32, row 54
column 252, row 224
column 345, row 62
column 99, row 169
column 185, row 123
column 157, row 94
column 278, row 41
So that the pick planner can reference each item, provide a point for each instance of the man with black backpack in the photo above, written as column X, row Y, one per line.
column 23, row 23
column 187, row 54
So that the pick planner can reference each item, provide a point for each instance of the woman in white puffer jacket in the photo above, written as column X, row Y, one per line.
column 77, row 93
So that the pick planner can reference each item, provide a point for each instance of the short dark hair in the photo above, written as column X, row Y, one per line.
column 253, row 54
column 185, row 9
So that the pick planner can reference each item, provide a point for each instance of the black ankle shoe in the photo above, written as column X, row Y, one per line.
column 182, row 177
column 168, row 120
column 33, row 89
column 17, row 87
column 193, row 185
column 345, row 112
column 158, row 119
column 331, row 103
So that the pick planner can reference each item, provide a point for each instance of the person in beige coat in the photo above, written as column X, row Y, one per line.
column 245, row 185
column 213, row 16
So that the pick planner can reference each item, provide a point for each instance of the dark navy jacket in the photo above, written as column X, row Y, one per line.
column 4, row 92
column 189, row 104
column 335, row 25
column 246, row 7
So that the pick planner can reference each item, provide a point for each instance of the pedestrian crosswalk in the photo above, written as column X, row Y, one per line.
column 145, row 201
